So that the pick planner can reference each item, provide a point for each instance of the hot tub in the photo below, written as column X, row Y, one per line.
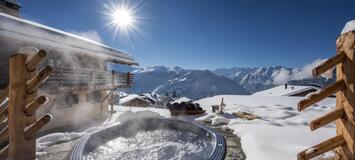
column 151, row 138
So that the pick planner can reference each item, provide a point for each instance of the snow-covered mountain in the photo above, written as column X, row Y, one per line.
column 253, row 79
column 257, row 79
column 202, row 83
column 190, row 83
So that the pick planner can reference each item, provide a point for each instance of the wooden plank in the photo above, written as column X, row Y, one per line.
column 4, row 134
column 329, row 64
column 38, row 79
column 326, row 119
column 321, row 148
column 4, row 152
column 4, row 113
column 31, row 64
column 31, row 131
column 337, row 86
column 31, row 108
column 4, row 94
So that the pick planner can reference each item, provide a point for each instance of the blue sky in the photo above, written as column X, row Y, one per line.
column 208, row 34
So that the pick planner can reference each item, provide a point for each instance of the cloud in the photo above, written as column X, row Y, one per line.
column 305, row 72
column 90, row 34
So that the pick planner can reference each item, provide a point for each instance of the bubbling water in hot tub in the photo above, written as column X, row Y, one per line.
column 160, row 144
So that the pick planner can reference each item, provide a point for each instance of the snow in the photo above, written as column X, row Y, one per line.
column 281, row 132
column 219, row 120
column 281, row 91
column 55, row 138
column 182, row 99
column 128, row 98
column 350, row 26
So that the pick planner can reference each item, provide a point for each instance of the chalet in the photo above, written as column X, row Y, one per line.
column 80, row 85
column 134, row 100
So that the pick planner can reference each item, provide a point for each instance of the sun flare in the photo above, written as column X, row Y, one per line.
column 123, row 18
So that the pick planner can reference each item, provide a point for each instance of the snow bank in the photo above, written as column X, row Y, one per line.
column 55, row 138
column 215, row 120
column 281, row 132
column 350, row 26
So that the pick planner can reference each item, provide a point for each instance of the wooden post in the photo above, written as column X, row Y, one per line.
column 346, row 98
column 20, row 147
column 344, row 115
column 113, row 89
column 23, row 102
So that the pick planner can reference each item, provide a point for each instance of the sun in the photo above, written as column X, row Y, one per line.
column 123, row 17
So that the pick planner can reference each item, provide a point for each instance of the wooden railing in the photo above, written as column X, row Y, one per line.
column 21, row 103
column 344, row 113
column 69, row 78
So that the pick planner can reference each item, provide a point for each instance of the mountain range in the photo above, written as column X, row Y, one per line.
column 197, row 84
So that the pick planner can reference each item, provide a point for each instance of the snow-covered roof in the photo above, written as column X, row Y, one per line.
column 350, row 26
column 151, row 96
column 16, row 29
column 128, row 98
column 281, row 91
column 132, row 97
column 182, row 99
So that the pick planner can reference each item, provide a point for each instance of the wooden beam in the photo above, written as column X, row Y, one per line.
column 316, row 97
column 321, row 148
column 31, row 108
column 4, row 103
column 4, row 152
column 3, row 114
column 4, row 135
column 326, row 119
column 4, row 94
column 31, row 65
column 38, row 79
column 31, row 131
column 329, row 64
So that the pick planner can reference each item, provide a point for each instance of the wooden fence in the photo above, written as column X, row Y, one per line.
column 20, row 102
column 344, row 112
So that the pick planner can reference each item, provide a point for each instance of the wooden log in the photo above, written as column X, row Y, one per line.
column 31, row 108
column 326, row 119
column 4, row 152
column 329, row 64
column 31, row 131
column 4, row 104
column 38, row 79
column 4, row 134
column 19, row 148
column 4, row 113
column 337, row 86
column 321, row 148
column 31, row 64
column 4, row 94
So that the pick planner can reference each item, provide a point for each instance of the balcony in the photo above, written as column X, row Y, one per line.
column 65, row 79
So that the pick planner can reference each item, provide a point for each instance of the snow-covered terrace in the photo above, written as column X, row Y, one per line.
column 282, row 91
